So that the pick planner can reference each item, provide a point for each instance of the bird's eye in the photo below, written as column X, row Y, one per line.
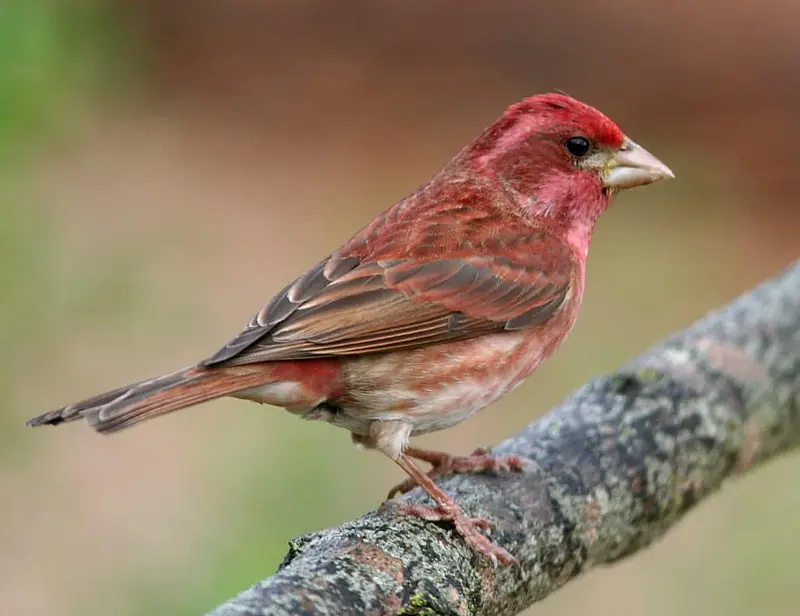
column 578, row 146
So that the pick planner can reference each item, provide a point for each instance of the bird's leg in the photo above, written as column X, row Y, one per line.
column 391, row 437
column 447, row 509
column 479, row 461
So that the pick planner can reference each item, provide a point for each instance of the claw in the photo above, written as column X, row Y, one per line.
column 480, row 461
column 403, row 487
column 467, row 527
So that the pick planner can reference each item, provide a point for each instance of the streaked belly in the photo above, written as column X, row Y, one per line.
column 437, row 387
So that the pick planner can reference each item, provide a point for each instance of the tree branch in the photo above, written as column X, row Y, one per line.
column 611, row 469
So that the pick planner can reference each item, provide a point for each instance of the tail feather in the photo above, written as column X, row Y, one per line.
column 127, row 406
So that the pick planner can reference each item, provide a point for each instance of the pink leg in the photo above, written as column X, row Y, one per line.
column 447, row 509
column 442, row 463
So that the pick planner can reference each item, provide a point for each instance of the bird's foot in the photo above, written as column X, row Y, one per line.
column 469, row 528
column 479, row 461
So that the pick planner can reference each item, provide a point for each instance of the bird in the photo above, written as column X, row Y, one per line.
column 443, row 303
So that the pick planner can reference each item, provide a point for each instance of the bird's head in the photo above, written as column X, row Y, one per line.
column 562, row 158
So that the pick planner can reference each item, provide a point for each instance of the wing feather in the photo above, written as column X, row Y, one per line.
column 359, row 301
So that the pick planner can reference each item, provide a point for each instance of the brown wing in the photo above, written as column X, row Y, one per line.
column 349, row 305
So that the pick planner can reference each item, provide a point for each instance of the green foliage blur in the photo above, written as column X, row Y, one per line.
column 58, row 62
column 43, row 66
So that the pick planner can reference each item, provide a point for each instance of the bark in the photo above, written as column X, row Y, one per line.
column 610, row 470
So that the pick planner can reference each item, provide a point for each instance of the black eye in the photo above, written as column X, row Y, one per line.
column 578, row 146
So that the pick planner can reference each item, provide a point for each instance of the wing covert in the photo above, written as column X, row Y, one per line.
column 353, row 304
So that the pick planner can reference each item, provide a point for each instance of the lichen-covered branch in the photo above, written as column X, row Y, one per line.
column 611, row 469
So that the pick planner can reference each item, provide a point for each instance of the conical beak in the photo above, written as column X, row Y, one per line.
column 633, row 166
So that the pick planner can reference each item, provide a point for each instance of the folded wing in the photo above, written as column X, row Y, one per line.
column 352, row 304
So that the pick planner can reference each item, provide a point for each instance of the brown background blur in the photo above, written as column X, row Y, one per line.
column 166, row 166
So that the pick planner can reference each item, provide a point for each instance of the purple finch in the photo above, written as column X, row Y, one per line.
column 438, row 307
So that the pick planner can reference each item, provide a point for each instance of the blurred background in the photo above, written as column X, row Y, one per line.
column 165, row 167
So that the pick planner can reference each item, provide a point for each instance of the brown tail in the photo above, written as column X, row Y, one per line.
column 127, row 406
